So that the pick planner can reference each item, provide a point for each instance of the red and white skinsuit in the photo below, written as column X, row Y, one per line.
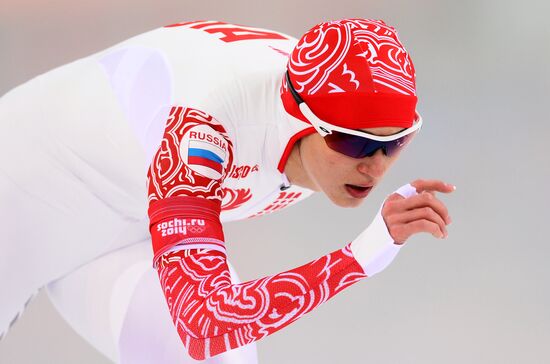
column 202, row 102
column 222, row 158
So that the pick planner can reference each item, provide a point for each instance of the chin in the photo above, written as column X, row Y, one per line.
column 346, row 201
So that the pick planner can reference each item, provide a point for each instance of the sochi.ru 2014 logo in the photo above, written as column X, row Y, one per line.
column 181, row 226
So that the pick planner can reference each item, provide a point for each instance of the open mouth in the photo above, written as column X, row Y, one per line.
column 358, row 191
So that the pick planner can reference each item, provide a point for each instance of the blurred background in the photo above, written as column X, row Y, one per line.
column 483, row 75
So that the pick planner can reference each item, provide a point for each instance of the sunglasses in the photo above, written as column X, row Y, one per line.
column 355, row 143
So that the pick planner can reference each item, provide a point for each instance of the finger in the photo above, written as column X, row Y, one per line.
column 422, row 185
column 395, row 197
column 423, row 226
column 426, row 213
column 422, row 200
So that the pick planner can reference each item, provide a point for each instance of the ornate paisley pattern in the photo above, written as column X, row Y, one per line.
column 331, row 59
column 169, row 175
column 212, row 315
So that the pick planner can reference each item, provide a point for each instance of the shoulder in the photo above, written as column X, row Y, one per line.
column 193, row 158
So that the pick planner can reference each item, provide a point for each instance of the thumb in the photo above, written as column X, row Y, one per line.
column 407, row 190
column 403, row 192
column 394, row 196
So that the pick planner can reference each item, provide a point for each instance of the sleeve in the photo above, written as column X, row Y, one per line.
column 211, row 314
column 184, row 183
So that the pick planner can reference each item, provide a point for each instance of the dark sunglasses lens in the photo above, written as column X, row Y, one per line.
column 395, row 146
column 359, row 147
column 351, row 145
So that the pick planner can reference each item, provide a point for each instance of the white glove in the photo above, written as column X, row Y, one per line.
column 374, row 249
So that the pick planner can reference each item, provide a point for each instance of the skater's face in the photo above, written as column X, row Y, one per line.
column 346, row 181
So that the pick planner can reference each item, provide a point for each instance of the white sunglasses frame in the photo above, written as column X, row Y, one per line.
column 324, row 128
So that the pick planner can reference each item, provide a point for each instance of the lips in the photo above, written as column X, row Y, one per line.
column 358, row 191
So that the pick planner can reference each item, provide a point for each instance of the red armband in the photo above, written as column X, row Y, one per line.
column 193, row 222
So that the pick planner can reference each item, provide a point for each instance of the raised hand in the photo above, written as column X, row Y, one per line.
column 421, row 212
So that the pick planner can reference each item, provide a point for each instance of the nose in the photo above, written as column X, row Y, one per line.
column 374, row 166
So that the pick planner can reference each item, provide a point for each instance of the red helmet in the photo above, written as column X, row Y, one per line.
column 352, row 73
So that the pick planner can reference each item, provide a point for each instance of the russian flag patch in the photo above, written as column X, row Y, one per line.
column 205, row 151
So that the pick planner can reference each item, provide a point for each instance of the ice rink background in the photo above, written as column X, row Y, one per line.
column 483, row 74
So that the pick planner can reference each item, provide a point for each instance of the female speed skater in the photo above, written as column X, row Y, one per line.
column 161, row 139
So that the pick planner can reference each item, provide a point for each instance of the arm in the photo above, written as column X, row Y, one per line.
column 211, row 314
